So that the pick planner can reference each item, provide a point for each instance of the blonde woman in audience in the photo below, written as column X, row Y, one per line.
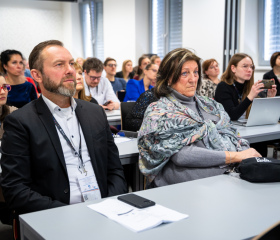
column 135, row 88
column 143, row 61
column 80, row 61
column 211, row 71
column 80, row 90
column 4, row 109
column 156, row 60
column 127, row 71
column 22, row 91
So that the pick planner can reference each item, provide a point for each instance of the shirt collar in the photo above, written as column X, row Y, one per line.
column 55, row 108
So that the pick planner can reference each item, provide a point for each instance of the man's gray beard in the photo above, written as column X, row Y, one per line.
column 61, row 90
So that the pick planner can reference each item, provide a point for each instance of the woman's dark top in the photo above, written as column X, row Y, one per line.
column 134, row 118
column 93, row 100
column 270, row 75
column 21, row 94
column 227, row 95
column 120, row 75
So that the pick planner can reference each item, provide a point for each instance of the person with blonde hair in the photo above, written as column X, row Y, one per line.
column 155, row 59
column 127, row 71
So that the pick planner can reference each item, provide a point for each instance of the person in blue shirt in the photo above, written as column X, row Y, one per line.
column 135, row 88
column 22, row 92
column 110, row 67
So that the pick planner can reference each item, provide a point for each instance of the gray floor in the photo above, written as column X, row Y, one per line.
column 7, row 234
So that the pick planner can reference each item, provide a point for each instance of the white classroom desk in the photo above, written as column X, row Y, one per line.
column 220, row 207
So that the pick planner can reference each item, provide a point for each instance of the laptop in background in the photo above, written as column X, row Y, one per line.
column 264, row 111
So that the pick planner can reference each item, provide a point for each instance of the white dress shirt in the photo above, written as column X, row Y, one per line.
column 67, row 119
column 103, row 92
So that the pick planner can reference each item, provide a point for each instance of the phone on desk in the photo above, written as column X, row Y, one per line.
column 136, row 201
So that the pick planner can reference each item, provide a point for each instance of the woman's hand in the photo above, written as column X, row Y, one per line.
column 255, row 90
column 233, row 157
column 272, row 92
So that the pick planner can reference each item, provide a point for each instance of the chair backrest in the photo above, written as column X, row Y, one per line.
column 126, row 107
column 272, row 233
column 121, row 95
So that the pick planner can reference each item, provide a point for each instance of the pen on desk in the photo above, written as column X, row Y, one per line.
column 125, row 212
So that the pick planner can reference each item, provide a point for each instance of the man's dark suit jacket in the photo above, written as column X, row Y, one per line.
column 34, row 175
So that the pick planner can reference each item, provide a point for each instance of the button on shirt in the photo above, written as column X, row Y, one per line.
column 103, row 92
column 67, row 119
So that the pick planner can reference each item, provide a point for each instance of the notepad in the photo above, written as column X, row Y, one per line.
column 136, row 219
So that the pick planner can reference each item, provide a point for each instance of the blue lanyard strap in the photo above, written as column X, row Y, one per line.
column 81, row 166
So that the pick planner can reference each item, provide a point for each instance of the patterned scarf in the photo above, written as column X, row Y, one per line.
column 168, row 126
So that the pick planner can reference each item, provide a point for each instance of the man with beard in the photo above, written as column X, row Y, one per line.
column 56, row 150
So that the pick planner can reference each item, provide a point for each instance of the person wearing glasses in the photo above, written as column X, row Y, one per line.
column 237, row 90
column 185, row 136
column 110, row 67
column 99, row 87
column 135, row 88
column 22, row 91
column 211, row 71
column 4, row 109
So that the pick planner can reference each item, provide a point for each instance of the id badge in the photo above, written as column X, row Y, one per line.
column 89, row 187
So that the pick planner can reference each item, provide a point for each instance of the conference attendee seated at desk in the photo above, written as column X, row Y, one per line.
column 184, row 136
column 135, row 117
column 143, row 61
column 99, row 87
column 275, row 72
column 135, row 88
column 127, row 71
column 80, row 90
column 4, row 109
column 155, row 59
column 50, row 145
column 237, row 90
column 211, row 71
column 22, row 91
column 110, row 67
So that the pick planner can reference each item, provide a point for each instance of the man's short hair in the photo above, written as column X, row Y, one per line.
column 93, row 64
column 108, row 59
column 35, row 57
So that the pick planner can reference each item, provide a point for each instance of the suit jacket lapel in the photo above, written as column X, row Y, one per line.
column 47, row 120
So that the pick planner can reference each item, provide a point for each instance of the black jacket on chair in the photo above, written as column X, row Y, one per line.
column 34, row 175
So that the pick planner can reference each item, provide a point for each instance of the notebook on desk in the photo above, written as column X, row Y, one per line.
column 264, row 111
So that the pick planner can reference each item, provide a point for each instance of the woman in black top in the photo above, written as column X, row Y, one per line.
column 275, row 72
column 127, row 71
column 237, row 89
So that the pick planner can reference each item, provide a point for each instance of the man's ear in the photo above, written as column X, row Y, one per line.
column 36, row 75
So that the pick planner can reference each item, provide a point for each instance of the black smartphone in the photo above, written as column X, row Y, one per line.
column 106, row 103
column 136, row 201
column 267, row 83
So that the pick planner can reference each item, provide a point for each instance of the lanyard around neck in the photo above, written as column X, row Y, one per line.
column 81, row 166
column 239, row 96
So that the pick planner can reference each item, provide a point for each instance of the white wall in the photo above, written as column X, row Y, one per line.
column 125, row 29
column 203, row 28
column 25, row 23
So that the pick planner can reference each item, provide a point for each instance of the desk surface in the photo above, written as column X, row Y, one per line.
column 221, row 207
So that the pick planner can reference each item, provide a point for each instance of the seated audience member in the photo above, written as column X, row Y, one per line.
column 237, row 89
column 135, row 117
column 80, row 90
column 98, row 87
column 155, row 60
column 22, row 91
column 26, row 69
column 5, row 110
column 127, row 71
column 80, row 61
column 185, row 136
column 135, row 88
column 29, row 79
column 143, row 61
column 110, row 67
column 41, row 167
column 211, row 71
column 275, row 72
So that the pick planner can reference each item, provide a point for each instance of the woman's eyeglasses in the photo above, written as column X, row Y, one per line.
column 6, row 87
